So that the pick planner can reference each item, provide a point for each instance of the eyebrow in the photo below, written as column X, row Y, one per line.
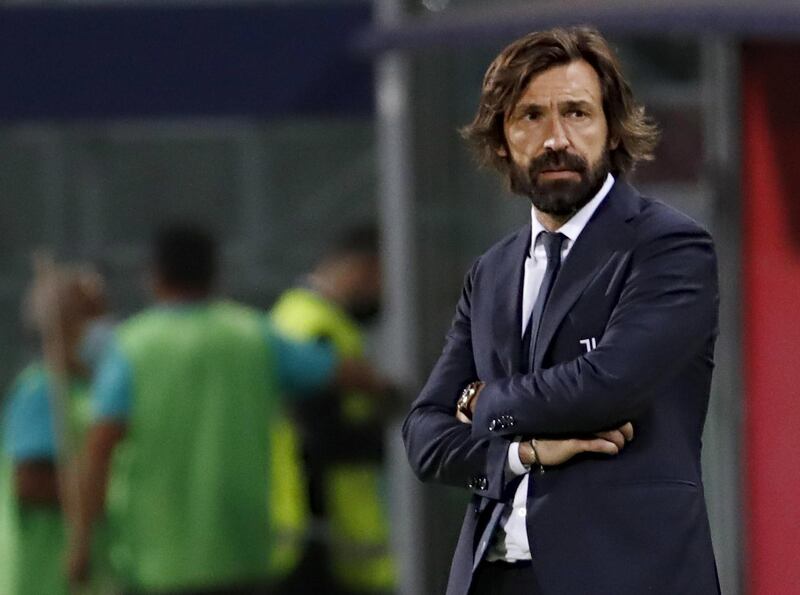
column 523, row 109
column 535, row 108
column 578, row 104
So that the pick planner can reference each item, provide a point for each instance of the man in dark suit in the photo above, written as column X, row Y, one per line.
column 595, row 321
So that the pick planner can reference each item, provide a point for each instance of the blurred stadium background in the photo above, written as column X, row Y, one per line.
column 278, row 124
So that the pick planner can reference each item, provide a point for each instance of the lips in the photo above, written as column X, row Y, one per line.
column 556, row 172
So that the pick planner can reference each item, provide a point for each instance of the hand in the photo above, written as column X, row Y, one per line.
column 556, row 452
column 619, row 437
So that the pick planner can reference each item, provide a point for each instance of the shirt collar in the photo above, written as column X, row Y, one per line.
column 573, row 228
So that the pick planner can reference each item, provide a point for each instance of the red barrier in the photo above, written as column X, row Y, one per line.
column 771, row 297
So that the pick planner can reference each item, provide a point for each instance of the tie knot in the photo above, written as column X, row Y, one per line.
column 552, row 245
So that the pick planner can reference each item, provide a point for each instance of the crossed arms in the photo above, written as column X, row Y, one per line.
column 666, row 313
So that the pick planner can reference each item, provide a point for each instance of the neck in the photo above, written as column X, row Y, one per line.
column 551, row 222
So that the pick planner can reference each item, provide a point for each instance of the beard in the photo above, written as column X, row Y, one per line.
column 560, row 198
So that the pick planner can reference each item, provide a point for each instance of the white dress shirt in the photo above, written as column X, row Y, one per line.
column 511, row 542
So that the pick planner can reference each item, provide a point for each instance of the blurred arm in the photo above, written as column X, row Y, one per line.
column 101, row 441
column 111, row 404
column 308, row 368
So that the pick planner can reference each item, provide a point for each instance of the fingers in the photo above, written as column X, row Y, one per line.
column 555, row 452
column 600, row 445
column 614, row 436
column 620, row 436
column 627, row 431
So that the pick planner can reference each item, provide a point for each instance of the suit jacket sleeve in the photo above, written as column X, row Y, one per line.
column 439, row 447
column 666, row 315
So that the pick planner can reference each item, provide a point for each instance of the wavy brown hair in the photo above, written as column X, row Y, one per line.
column 511, row 71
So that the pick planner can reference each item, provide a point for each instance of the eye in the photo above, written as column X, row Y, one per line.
column 577, row 114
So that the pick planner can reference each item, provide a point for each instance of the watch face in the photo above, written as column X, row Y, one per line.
column 463, row 401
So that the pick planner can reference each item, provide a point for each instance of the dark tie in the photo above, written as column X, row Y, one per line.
column 552, row 247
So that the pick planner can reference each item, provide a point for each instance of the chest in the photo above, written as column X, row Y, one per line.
column 575, row 317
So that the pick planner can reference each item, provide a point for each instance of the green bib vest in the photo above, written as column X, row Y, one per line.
column 188, row 497
column 356, row 508
column 33, row 538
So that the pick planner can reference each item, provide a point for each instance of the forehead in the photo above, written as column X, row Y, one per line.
column 575, row 81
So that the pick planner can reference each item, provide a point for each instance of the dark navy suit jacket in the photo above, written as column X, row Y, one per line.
column 640, row 280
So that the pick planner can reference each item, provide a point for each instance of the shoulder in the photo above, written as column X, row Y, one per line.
column 501, row 248
column 303, row 314
column 500, row 251
column 657, row 219
column 27, row 415
column 300, row 307
column 663, row 232
column 32, row 377
column 30, row 386
column 236, row 313
column 644, row 217
column 138, row 322
column 229, row 321
column 137, row 332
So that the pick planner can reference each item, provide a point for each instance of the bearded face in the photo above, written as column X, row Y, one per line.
column 557, row 139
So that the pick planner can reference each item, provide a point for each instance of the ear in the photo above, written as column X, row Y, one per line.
column 502, row 150
column 613, row 143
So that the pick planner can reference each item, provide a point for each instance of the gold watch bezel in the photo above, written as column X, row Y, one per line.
column 467, row 395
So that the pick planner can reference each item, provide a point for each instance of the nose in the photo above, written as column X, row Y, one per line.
column 556, row 139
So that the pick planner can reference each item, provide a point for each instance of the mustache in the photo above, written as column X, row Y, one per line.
column 553, row 160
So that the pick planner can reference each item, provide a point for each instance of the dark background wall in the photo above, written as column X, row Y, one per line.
column 267, row 60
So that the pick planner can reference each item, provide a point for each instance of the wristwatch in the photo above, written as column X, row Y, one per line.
column 467, row 395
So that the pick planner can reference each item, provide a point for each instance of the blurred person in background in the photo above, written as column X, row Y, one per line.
column 341, row 432
column 595, row 320
column 178, row 454
column 48, row 413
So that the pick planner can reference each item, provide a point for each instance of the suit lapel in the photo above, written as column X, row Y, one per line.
column 605, row 234
column 507, row 320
